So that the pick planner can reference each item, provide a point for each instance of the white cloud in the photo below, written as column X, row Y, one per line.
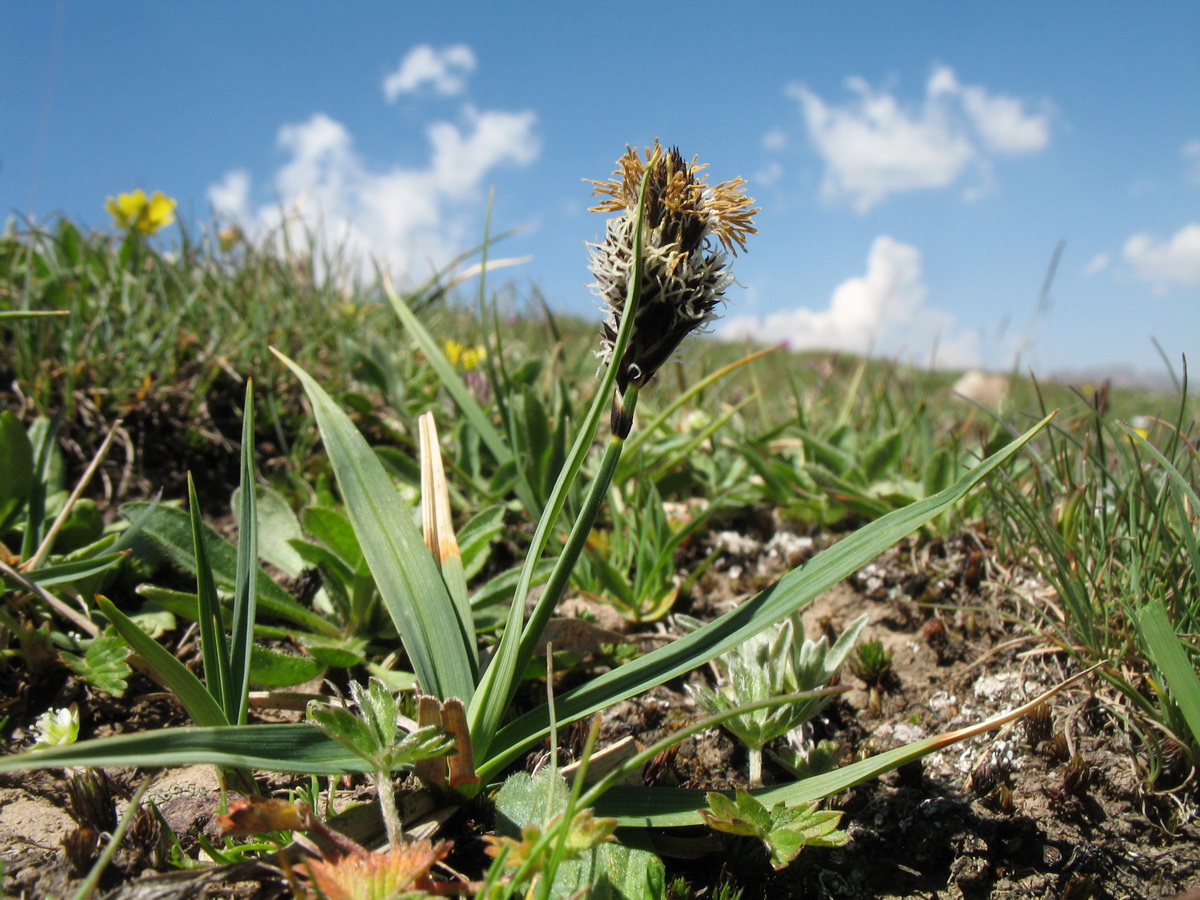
column 413, row 219
column 873, row 146
column 768, row 174
column 774, row 140
column 1191, row 159
column 460, row 160
column 1003, row 124
column 1097, row 264
column 446, row 70
column 231, row 193
column 881, row 312
column 1174, row 262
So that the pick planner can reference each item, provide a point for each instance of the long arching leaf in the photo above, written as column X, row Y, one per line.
column 791, row 593
column 440, row 646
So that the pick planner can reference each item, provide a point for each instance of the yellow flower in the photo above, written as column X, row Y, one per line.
column 229, row 237
column 137, row 212
column 1141, row 427
column 462, row 356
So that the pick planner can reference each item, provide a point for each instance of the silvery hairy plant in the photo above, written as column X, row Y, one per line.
column 774, row 663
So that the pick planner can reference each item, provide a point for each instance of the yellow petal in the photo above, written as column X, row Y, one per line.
column 126, row 208
column 159, row 213
column 133, row 203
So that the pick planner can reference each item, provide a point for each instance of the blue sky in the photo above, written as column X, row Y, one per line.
column 916, row 163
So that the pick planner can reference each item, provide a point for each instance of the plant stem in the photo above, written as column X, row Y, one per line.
column 387, row 807
column 499, row 680
column 755, row 773
column 582, row 527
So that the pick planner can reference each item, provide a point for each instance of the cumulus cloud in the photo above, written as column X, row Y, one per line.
column 882, row 311
column 1097, row 264
column 231, row 195
column 1191, row 161
column 446, row 70
column 774, row 140
column 412, row 219
column 875, row 146
column 1003, row 125
column 768, row 174
column 1175, row 262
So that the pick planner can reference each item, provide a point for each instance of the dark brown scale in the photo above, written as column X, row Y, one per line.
column 685, row 223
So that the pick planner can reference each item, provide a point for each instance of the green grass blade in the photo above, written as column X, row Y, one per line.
column 1165, row 650
column 201, row 705
column 171, row 529
column 1184, row 496
column 450, row 379
column 42, row 440
column 245, row 595
column 295, row 747
column 70, row 572
column 16, row 476
column 213, row 648
column 128, row 538
column 499, row 680
column 790, row 593
column 405, row 572
column 186, row 605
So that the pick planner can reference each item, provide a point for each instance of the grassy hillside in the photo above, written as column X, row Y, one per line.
column 126, row 365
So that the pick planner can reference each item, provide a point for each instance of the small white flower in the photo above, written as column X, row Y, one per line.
column 55, row 727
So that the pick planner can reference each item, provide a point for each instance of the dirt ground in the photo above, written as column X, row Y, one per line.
column 1057, row 808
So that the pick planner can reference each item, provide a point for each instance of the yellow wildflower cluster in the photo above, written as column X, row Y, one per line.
column 137, row 212
column 463, row 357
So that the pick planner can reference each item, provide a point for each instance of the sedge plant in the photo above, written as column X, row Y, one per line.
column 661, row 270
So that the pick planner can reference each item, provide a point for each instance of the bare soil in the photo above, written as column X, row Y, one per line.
column 1056, row 809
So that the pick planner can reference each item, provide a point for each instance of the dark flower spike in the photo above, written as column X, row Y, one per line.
column 690, row 230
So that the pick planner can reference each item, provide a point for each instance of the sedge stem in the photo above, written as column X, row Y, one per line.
column 580, row 530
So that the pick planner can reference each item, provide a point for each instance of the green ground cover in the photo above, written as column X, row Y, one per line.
column 427, row 474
